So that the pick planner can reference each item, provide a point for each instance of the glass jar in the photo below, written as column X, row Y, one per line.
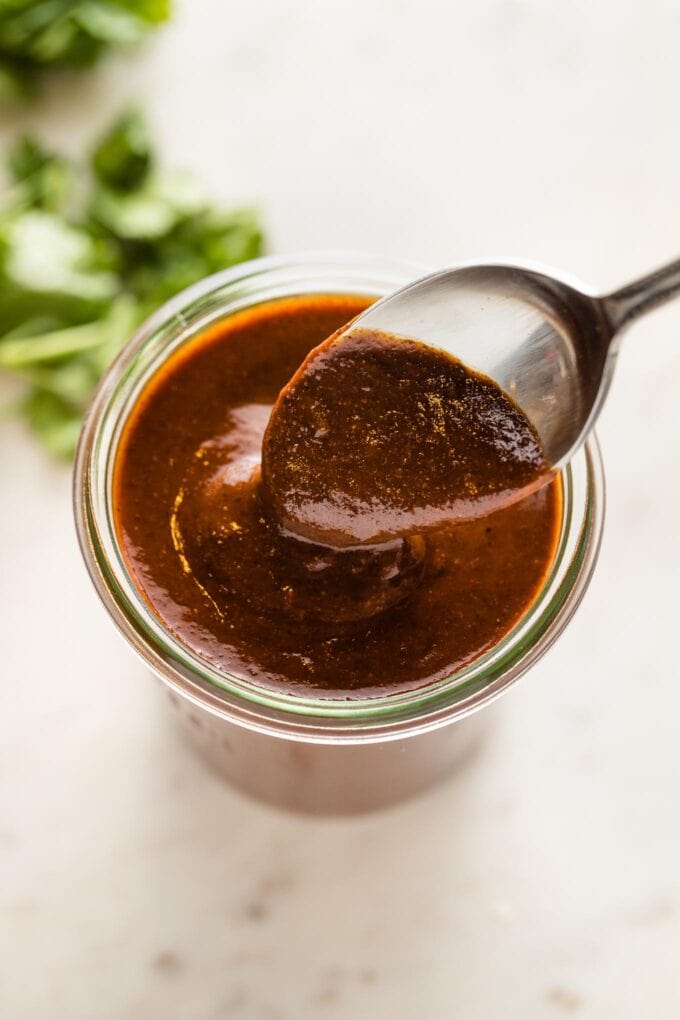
column 302, row 752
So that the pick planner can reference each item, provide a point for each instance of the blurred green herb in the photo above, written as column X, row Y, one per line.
column 86, row 253
column 36, row 35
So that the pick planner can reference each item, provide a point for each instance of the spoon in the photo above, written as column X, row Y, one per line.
column 549, row 344
column 456, row 396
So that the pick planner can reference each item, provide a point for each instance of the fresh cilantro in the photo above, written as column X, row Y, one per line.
column 38, row 35
column 86, row 253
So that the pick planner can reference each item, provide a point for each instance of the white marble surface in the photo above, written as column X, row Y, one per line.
column 543, row 882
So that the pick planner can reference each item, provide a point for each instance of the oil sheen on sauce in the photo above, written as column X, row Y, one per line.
column 289, row 613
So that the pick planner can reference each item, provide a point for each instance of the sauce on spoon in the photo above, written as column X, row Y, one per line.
column 378, row 436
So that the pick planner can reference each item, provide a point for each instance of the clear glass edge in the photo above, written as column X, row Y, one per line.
column 456, row 695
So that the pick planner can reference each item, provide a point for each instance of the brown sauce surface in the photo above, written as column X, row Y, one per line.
column 377, row 436
column 294, row 615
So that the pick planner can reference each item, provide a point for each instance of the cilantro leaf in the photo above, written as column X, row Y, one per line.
column 36, row 35
column 123, row 156
column 85, row 257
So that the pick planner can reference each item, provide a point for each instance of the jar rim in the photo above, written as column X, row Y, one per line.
column 387, row 716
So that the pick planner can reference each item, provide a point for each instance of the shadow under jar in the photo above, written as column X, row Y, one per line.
column 298, row 747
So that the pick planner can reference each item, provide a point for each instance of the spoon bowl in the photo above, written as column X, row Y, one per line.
column 459, row 394
column 549, row 343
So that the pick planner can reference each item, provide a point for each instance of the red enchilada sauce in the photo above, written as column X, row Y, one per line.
column 377, row 436
column 215, row 556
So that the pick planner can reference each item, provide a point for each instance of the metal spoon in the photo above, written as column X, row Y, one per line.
column 549, row 344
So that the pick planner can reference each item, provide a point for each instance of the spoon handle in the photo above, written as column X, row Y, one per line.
column 641, row 296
